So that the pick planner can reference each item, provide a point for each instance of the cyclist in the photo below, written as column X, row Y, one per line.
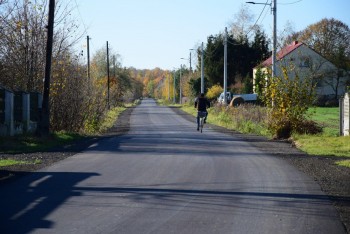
column 201, row 103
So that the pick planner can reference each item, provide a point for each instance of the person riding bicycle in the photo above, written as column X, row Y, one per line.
column 201, row 103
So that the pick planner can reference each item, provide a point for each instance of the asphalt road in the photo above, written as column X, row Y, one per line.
column 165, row 177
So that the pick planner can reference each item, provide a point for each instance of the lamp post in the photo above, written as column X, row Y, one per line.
column 273, row 6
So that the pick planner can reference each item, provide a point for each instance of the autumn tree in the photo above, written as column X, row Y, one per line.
column 330, row 38
column 23, row 40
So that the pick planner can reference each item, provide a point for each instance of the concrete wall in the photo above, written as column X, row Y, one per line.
column 17, row 115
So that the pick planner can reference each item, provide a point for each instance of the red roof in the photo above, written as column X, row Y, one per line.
column 282, row 53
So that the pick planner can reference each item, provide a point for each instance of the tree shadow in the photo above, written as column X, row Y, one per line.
column 26, row 203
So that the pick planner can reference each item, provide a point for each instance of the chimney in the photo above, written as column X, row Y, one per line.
column 295, row 42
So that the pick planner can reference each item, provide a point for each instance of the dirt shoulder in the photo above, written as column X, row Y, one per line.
column 333, row 180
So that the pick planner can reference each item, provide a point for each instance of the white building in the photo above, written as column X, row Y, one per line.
column 308, row 64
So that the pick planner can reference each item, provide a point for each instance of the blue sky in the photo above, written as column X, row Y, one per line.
column 157, row 33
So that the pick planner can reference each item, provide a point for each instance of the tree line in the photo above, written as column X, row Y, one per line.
column 76, row 102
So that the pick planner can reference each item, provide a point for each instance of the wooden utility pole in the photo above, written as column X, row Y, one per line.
column 107, row 77
column 44, row 122
column 88, row 56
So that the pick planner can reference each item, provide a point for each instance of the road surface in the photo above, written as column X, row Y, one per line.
column 165, row 177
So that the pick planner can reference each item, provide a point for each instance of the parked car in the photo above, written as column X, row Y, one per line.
column 221, row 98
column 246, row 97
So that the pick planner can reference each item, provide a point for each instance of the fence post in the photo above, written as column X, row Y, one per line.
column 341, row 117
column 346, row 115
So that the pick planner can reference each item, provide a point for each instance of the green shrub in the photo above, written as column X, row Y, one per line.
column 214, row 92
column 288, row 100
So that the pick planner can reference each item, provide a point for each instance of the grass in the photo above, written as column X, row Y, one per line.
column 11, row 162
column 110, row 118
column 324, row 145
column 327, row 117
column 235, row 119
column 31, row 143
column 344, row 163
column 329, row 143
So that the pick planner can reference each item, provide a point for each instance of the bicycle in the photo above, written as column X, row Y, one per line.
column 201, row 115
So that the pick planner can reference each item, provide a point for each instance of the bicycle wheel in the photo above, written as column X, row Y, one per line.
column 201, row 124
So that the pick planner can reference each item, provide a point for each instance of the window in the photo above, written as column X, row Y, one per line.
column 305, row 62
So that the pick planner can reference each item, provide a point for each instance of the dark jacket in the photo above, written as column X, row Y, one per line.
column 201, row 104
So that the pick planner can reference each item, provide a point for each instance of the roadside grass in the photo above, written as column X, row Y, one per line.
column 327, row 117
column 247, row 119
column 11, row 162
column 251, row 120
column 31, row 143
column 329, row 143
column 110, row 118
column 344, row 163
column 324, row 145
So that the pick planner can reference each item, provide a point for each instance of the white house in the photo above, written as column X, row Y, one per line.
column 308, row 64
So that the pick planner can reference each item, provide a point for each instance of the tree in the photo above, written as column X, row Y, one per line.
column 260, row 46
column 242, row 56
column 242, row 23
column 23, row 31
column 328, row 37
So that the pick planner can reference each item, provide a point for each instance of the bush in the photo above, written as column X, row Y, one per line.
column 214, row 92
column 332, row 103
column 288, row 100
column 308, row 127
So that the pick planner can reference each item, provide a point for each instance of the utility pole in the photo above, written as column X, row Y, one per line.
column 190, row 61
column 107, row 77
column 168, row 86
column 202, row 69
column 180, row 84
column 274, row 11
column 225, row 66
column 174, row 100
column 88, row 56
column 44, row 122
column 273, row 6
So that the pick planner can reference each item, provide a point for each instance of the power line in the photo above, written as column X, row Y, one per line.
column 81, row 18
column 251, row 29
column 289, row 3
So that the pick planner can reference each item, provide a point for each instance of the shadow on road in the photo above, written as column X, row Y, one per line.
column 26, row 203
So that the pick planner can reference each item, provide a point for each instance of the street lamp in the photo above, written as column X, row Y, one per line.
column 273, row 6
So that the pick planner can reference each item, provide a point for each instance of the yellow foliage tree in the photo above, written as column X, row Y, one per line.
column 214, row 91
column 288, row 100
